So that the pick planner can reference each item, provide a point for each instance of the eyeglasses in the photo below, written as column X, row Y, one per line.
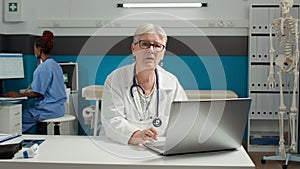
column 144, row 44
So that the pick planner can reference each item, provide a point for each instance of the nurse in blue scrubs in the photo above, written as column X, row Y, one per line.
column 47, row 87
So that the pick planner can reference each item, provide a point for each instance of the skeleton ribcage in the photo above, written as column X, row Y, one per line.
column 285, row 42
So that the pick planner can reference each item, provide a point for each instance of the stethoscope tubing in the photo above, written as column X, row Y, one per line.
column 157, row 120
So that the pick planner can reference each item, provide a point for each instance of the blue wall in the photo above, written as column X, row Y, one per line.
column 193, row 72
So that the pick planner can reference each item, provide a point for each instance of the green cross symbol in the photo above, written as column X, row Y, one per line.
column 12, row 6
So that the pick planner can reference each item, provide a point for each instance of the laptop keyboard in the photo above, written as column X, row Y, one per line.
column 159, row 147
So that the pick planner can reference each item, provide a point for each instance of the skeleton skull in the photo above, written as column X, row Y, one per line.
column 286, row 5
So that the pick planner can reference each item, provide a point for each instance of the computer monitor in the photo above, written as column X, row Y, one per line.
column 11, row 66
column 70, row 71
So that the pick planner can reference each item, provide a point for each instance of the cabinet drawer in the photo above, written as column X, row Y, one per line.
column 11, row 118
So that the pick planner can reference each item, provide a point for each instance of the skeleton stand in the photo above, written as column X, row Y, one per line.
column 288, row 64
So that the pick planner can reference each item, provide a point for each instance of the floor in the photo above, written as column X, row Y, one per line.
column 257, row 156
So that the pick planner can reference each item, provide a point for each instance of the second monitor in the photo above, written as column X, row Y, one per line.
column 70, row 72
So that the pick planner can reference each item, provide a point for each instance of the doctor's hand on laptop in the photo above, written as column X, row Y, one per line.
column 142, row 136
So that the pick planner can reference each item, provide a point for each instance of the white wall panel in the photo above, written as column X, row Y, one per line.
column 54, row 9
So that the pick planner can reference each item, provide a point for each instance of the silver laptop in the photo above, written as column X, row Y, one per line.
column 204, row 125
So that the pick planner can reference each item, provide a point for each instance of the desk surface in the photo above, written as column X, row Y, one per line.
column 99, row 152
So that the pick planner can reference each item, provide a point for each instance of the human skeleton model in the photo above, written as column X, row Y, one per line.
column 285, row 29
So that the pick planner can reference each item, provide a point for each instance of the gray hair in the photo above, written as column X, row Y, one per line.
column 151, row 29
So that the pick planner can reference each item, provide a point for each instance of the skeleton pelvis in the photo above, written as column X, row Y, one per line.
column 285, row 63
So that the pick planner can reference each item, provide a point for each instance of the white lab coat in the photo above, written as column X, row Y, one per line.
column 119, row 115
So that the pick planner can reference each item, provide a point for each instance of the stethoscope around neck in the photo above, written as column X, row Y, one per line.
column 156, row 121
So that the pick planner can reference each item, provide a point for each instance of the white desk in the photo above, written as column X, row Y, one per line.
column 85, row 152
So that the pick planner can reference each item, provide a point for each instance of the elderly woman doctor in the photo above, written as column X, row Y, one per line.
column 137, row 98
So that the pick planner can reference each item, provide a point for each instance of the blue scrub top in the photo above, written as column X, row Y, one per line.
column 48, row 80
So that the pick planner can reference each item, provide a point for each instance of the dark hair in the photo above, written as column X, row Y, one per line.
column 45, row 42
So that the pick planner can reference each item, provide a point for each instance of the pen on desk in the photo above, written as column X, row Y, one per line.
column 10, row 138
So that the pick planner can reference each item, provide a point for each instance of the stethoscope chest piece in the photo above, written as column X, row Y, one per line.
column 156, row 122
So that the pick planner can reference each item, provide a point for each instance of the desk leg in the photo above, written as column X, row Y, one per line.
column 56, row 128
column 42, row 128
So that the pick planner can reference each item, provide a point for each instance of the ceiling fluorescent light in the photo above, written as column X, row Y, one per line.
column 162, row 5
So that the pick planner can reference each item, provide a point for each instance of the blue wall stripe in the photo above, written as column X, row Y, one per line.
column 193, row 72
